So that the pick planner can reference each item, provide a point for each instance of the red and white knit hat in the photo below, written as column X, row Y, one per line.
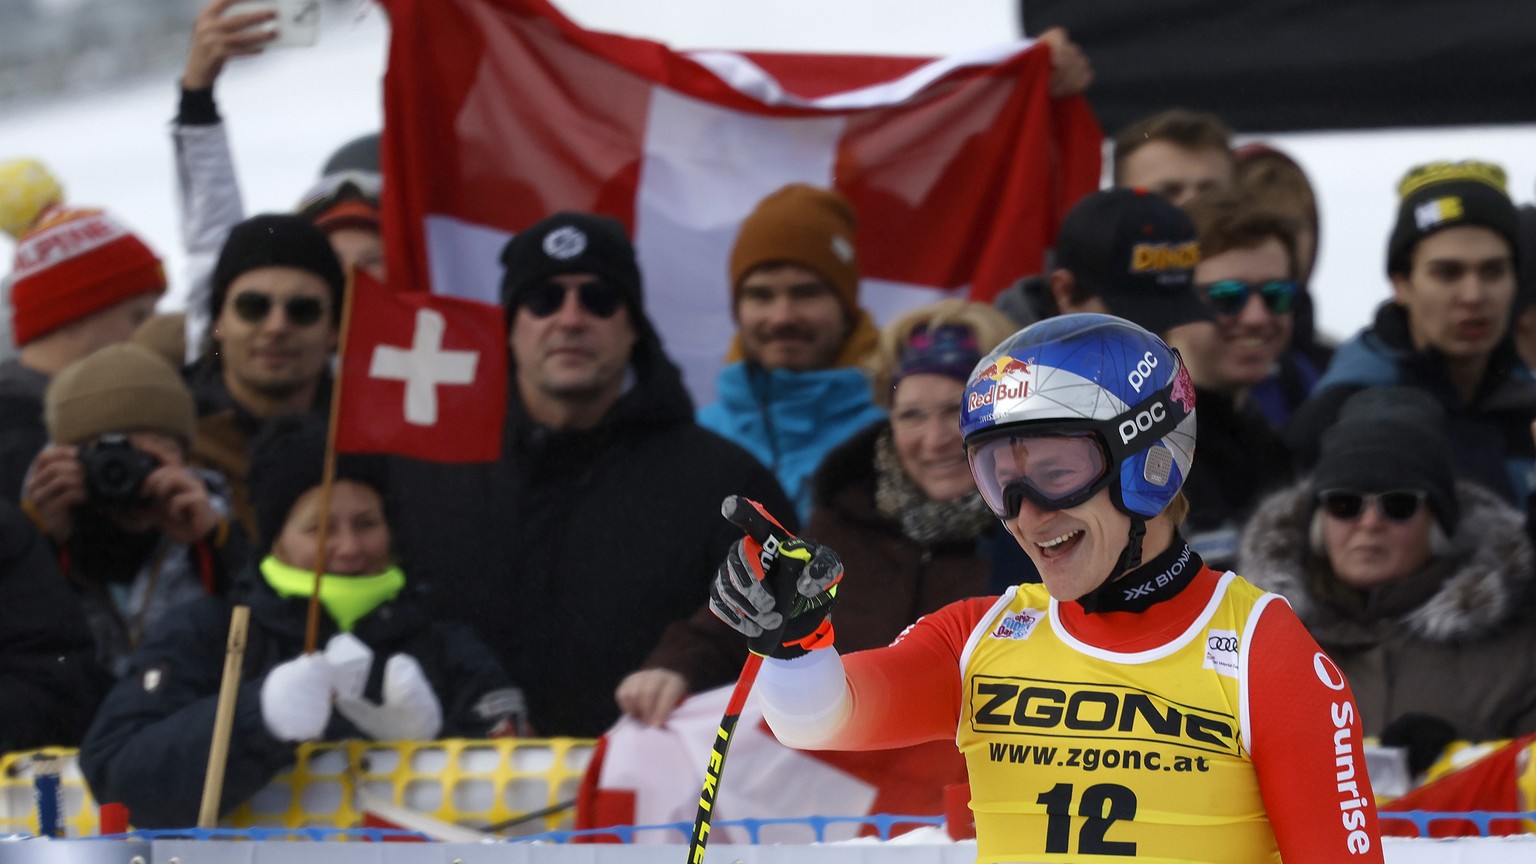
column 71, row 263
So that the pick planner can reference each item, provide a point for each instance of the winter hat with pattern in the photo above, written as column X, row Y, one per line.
column 72, row 263
column 805, row 225
column 276, row 240
column 1441, row 195
column 120, row 388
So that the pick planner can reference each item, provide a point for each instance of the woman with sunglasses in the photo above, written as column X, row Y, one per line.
column 1417, row 583
column 1137, row 704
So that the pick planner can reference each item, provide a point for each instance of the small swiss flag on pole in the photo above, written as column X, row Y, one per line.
column 422, row 375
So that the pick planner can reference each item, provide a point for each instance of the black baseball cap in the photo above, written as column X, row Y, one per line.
column 1137, row 252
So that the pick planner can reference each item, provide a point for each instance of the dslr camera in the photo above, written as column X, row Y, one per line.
column 115, row 470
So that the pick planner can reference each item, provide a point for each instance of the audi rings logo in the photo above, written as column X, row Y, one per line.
column 563, row 244
column 1221, row 648
column 1327, row 672
column 1221, row 643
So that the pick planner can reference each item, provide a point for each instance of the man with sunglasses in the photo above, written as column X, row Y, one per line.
column 344, row 203
column 1137, row 703
column 1452, row 262
column 597, row 529
column 1246, row 276
column 1395, row 564
column 275, row 306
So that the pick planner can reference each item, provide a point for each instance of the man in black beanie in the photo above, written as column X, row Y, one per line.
column 1451, row 259
column 276, row 308
column 600, row 526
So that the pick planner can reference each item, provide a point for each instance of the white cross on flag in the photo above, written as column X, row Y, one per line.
column 501, row 112
column 422, row 375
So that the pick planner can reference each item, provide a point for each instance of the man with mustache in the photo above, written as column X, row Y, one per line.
column 793, row 388
column 1451, row 259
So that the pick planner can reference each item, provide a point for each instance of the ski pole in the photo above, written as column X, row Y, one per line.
column 766, row 532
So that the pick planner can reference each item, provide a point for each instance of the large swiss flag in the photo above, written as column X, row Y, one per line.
column 499, row 112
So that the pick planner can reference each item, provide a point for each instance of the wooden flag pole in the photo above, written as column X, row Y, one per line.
column 328, row 473
column 224, row 717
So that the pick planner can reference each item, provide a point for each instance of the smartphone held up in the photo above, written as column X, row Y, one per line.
column 296, row 22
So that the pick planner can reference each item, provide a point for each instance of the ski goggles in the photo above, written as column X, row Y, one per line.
column 1053, row 471
column 545, row 298
column 1399, row 505
column 1230, row 296
column 340, row 186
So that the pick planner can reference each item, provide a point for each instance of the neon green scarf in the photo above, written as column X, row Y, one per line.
column 346, row 598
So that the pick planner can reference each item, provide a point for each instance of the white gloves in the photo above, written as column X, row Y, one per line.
column 296, row 697
column 410, row 711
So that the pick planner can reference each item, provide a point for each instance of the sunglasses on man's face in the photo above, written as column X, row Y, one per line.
column 599, row 298
column 1230, row 296
column 253, row 307
column 1399, row 505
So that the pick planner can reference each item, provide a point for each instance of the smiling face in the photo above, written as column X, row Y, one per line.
column 1250, row 341
column 925, row 429
column 1075, row 549
column 358, row 540
column 788, row 317
column 1458, row 291
column 275, row 357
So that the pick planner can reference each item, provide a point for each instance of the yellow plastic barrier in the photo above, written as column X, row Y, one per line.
column 471, row 783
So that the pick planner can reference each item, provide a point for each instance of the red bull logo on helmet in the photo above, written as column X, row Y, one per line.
column 1009, row 381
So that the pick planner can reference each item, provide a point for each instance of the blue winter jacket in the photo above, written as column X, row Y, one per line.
column 790, row 420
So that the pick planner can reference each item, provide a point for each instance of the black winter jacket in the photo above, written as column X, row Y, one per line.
column 149, row 745
column 50, row 683
column 574, row 552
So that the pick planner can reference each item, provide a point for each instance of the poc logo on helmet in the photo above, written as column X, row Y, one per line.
column 1143, row 421
column 1142, row 372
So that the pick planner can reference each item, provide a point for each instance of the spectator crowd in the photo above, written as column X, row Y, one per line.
column 158, row 468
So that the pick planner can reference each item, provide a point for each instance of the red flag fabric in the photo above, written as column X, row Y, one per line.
column 422, row 375
column 500, row 112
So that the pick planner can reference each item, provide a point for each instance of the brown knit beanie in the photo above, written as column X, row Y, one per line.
column 120, row 388
column 803, row 225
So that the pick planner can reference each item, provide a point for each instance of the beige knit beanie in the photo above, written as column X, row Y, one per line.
column 120, row 388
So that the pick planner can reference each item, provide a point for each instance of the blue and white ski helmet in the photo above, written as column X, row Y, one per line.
column 1089, row 373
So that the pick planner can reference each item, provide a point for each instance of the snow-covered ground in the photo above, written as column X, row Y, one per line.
column 287, row 110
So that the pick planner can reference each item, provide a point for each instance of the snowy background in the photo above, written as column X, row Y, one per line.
column 287, row 110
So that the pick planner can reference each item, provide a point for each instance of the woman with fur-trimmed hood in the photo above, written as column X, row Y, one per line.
column 1417, row 584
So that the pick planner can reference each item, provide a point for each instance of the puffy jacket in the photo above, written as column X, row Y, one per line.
column 1454, row 640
